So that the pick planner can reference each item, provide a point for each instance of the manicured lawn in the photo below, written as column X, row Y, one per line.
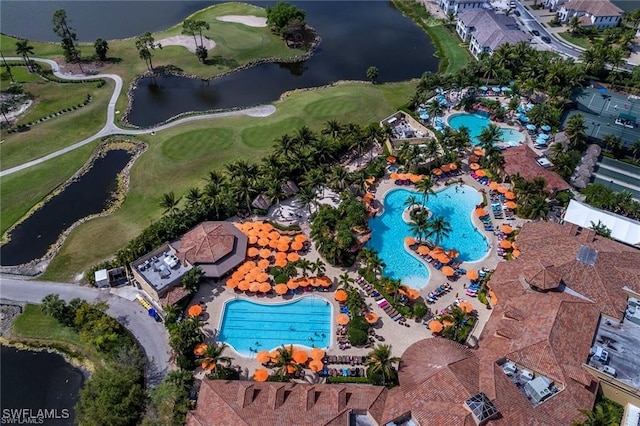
column 455, row 56
column 35, row 324
column 24, row 189
column 582, row 42
column 186, row 153
column 19, row 73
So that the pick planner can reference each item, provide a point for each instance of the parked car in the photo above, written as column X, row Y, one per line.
column 546, row 39
column 535, row 33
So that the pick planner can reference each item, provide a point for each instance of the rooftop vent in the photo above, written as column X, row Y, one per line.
column 587, row 255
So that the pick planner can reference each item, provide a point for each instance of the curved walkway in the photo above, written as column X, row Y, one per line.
column 151, row 335
column 110, row 127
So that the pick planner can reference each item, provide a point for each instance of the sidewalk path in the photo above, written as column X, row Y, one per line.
column 110, row 127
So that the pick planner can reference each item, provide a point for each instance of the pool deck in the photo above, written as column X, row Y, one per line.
column 398, row 336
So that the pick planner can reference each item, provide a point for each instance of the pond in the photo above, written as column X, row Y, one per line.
column 87, row 196
column 355, row 35
column 35, row 381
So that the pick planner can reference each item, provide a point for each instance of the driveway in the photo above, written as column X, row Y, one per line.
column 151, row 335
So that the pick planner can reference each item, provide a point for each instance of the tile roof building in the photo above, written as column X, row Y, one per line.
column 457, row 6
column 597, row 13
column 549, row 305
column 486, row 30
column 522, row 160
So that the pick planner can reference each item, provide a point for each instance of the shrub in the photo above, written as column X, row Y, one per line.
column 356, row 336
column 420, row 309
column 343, row 379
column 360, row 323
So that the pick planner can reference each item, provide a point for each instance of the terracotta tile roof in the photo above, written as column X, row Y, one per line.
column 174, row 295
column 522, row 160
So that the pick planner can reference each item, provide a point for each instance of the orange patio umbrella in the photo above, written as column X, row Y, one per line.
column 516, row 253
column 494, row 298
column 254, row 287
column 243, row 285
column 194, row 310
column 391, row 160
column 481, row 173
column 253, row 239
column 302, row 281
column 264, row 253
column 293, row 257
column 274, row 244
column 340, row 295
column 252, row 252
column 409, row 241
column 300, row 237
column 466, row 306
column 264, row 288
column 316, row 365
column 292, row 284
column 263, row 357
column 264, row 234
column 200, row 349
column 262, row 277
column 478, row 151
column 436, row 251
column 274, row 235
column 263, row 263
column 436, row 171
column 393, row 176
column 510, row 205
column 280, row 263
column 510, row 195
column 300, row 356
column 494, row 185
column 281, row 289
column 325, row 281
column 415, row 178
column 284, row 239
column 314, row 281
column 342, row 319
column 435, row 326
column 502, row 189
column 447, row 323
column 261, row 375
column 263, row 242
column 297, row 245
column 506, row 229
column 232, row 283
column 317, row 353
column 413, row 294
column 473, row 159
column 266, row 227
column 443, row 258
column 247, row 265
column 480, row 212
column 280, row 255
column 505, row 244
column 472, row 275
column 424, row 250
column 371, row 317
column 453, row 166
column 474, row 166
column 282, row 247
column 448, row 271
column 445, row 168
column 453, row 254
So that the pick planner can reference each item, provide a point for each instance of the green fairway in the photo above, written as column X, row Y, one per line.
column 186, row 153
column 24, row 189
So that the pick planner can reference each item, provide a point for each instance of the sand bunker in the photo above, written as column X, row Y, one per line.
column 249, row 20
column 187, row 42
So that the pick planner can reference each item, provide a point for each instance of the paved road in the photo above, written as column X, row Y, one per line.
column 110, row 127
column 151, row 335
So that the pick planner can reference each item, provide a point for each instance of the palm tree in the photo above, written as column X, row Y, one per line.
column 170, row 203
column 23, row 49
column 345, row 280
column 380, row 362
column 489, row 136
column 425, row 186
column 635, row 148
column 438, row 228
column 393, row 287
column 339, row 178
column 458, row 317
column 243, row 191
column 305, row 265
column 411, row 201
column 195, row 196
column 603, row 414
column 575, row 129
column 307, row 197
column 318, row 267
column 354, row 301
column 574, row 26
column 593, row 59
column 332, row 128
column 284, row 362
column 420, row 226
column 213, row 358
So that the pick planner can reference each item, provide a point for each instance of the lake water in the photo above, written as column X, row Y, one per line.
column 38, row 381
column 88, row 195
column 355, row 35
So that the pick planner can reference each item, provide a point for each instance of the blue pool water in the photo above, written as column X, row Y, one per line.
column 477, row 121
column 249, row 325
column 389, row 230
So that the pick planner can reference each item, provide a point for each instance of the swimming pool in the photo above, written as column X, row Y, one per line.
column 249, row 326
column 389, row 230
column 477, row 121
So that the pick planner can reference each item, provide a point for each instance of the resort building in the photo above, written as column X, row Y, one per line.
column 215, row 247
column 405, row 129
column 524, row 161
column 457, row 6
column 600, row 14
column 486, row 30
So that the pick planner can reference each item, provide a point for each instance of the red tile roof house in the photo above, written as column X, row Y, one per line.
column 535, row 324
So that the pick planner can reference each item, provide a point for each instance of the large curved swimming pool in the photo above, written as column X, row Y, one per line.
column 389, row 230
column 477, row 121
column 250, row 327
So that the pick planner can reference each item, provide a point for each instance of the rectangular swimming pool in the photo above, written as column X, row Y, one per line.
column 250, row 327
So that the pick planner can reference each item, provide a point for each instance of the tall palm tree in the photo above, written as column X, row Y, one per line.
column 574, row 26
column 305, row 265
column 379, row 361
column 420, row 226
column 603, row 414
column 458, row 317
column 489, row 136
column 635, row 148
column 170, row 203
column 307, row 197
column 438, row 228
column 284, row 363
column 213, row 358
column 354, row 301
column 195, row 196
column 339, row 178
column 23, row 49
column 425, row 186
column 244, row 192
column 345, row 280
column 393, row 286
column 411, row 201
column 318, row 267
column 332, row 128
column 575, row 129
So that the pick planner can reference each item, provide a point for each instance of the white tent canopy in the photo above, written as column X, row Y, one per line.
column 622, row 228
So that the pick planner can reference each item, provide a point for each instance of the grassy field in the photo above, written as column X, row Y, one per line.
column 583, row 42
column 24, row 189
column 187, row 153
column 35, row 324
